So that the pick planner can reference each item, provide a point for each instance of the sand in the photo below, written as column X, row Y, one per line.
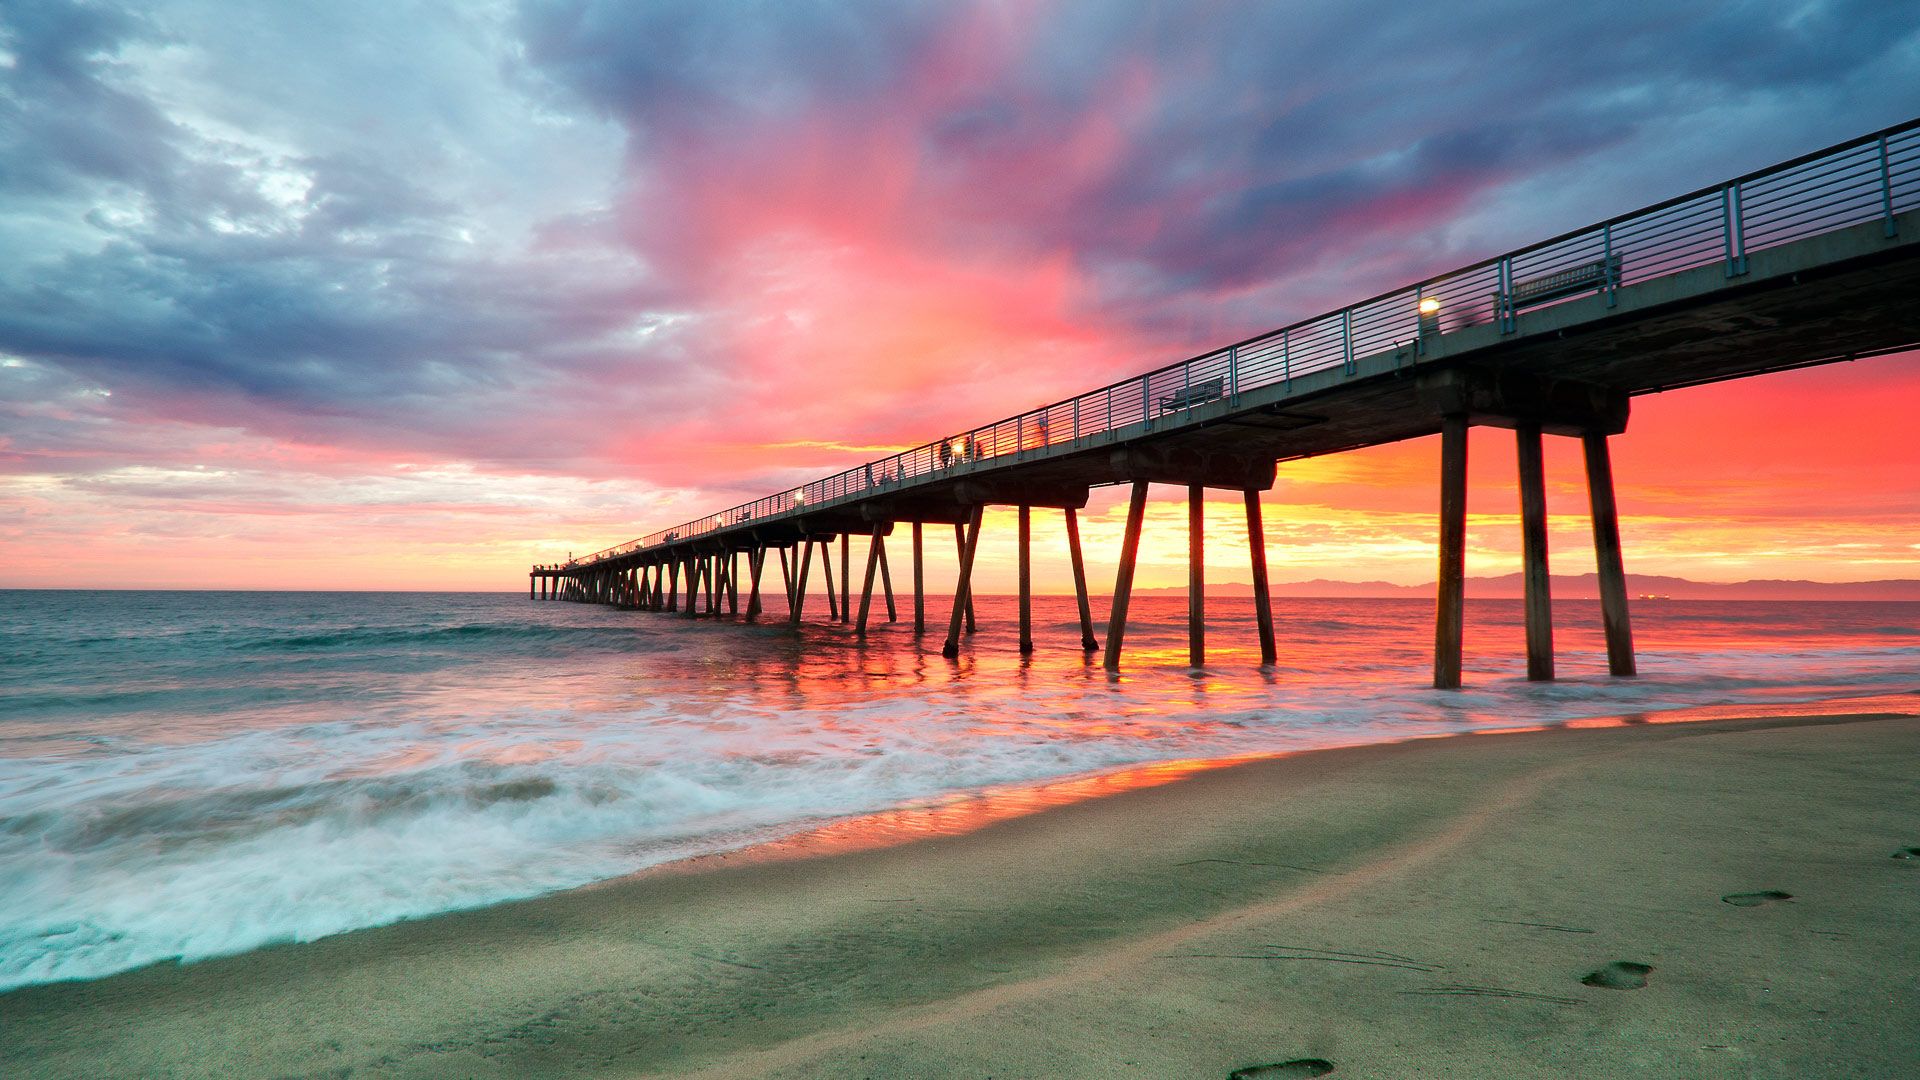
column 1547, row 904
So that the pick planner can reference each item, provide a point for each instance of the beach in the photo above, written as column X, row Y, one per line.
column 1424, row 908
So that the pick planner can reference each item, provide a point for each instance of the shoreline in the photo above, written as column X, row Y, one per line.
column 1038, row 943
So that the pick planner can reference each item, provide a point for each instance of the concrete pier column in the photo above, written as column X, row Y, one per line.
column 1087, row 641
column 1450, row 612
column 846, row 580
column 533, row 587
column 1026, row 578
column 963, row 588
column 1606, row 550
column 1533, row 553
column 826, row 570
column 960, row 549
column 886, row 584
column 805, row 556
column 874, row 548
column 694, row 565
column 1123, row 580
column 919, row 583
column 673, row 583
column 1262, row 596
column 733, row 582
column 756, row 563
column 1196, row 575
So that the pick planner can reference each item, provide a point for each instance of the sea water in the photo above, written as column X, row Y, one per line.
column 188, row 774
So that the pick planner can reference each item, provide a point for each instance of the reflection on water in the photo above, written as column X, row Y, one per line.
column 186, row 774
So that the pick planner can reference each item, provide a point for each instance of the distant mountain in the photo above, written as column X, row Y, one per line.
column 1586, row 587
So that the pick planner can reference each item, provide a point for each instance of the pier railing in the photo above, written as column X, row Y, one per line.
column 1872, row 177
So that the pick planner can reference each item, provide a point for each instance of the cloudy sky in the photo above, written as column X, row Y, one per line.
column 411, row 294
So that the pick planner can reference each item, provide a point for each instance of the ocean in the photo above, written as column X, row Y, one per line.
column 190, row 774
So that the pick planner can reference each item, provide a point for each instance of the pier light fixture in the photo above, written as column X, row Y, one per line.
column 1429, row 305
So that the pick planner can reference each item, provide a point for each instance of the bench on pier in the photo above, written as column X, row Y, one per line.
column 1198, row 394
column 1595, row 275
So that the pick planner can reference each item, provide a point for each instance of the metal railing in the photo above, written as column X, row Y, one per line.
column 1875, row 176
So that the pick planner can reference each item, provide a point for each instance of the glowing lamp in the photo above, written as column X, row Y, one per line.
column 1429, row 305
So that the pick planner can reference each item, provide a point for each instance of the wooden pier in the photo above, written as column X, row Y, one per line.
column 1812, row 261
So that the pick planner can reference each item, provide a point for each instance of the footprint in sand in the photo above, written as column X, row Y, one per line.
column 1620, row 975
column 1907, row 853
column 1285, row 1070
column 1756, row 899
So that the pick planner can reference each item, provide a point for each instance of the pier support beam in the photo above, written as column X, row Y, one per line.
column 673, row 585
column 786, row 579
column 805, row 556
column 1606, row 549
column 1533, row 552
column 1026, row 579
column 756, row 562
column 846, row 580
column 876, row 550
column 1196, row 575
column 886, row 585
column 1449, row 615
column 1087, row 641
column 1262, row 596
column 919, row 584
column 963, row 588
column 1123, row 580
column 826, row 569
column 960, row 549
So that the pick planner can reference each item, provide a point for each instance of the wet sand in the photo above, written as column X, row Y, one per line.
column 1715, row 899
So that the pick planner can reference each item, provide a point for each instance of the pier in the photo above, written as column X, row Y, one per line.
column 1811, row 261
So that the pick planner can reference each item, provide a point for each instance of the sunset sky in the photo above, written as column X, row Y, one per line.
column 375, row 295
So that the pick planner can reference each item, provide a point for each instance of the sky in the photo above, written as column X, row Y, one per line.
column 375, row 295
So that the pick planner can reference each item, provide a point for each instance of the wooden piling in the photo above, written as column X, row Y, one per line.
column 1196, row 575
column 1123, row 580
column 1026, row 578
column 963, row 587
column 1087, row 641
column 1606, row 550
column 1533, row 553
column 1449, row 616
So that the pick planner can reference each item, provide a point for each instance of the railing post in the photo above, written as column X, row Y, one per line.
column 1146, row 400
column 1419, row 322
column 1504, row 305
column 1611, row 268
column 1886, row 192
column 1735, row 236
column 1346, row 340
column 1076, row 422
column 1233, row 374
column 1286, row 358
